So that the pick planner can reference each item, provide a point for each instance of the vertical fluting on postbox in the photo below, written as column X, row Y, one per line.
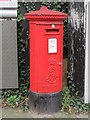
column 46, row 55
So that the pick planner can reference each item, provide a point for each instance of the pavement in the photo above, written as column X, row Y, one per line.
column 8, row 112
column 18, row 113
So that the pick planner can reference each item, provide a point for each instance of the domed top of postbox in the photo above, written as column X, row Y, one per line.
column 45, row 14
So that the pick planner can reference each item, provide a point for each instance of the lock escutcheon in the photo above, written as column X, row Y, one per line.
column 60, row 63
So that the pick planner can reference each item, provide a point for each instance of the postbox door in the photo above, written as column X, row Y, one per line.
column 50, row 60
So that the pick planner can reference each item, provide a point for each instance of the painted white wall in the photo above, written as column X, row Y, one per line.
column 8, row 4
column 0, row 54
column 8, row 13
column 88, row 51
column 87, row 57
column 8, row 9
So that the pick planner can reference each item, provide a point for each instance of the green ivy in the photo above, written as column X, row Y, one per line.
column 72, row 102
column 13, row 96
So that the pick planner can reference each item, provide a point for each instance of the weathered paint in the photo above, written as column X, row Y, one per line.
column 76, row 46
column 77, row 19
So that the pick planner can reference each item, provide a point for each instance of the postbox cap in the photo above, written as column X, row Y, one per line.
column 45, row 14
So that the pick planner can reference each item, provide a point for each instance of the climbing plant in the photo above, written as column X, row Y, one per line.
column 18, row 97
column 23, row 32
column 71, row 101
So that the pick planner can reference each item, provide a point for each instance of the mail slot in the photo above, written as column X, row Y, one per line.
column 46, row 54
column 52, row 30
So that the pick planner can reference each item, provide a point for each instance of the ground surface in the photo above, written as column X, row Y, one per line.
column 18, row 113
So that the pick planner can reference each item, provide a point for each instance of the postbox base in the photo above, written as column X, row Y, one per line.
column 45, row 102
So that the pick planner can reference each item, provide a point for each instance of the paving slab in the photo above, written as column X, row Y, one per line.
column 18, row 113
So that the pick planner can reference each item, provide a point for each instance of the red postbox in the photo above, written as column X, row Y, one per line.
column 46, row 55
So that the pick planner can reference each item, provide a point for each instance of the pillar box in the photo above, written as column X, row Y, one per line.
column 46, row 59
